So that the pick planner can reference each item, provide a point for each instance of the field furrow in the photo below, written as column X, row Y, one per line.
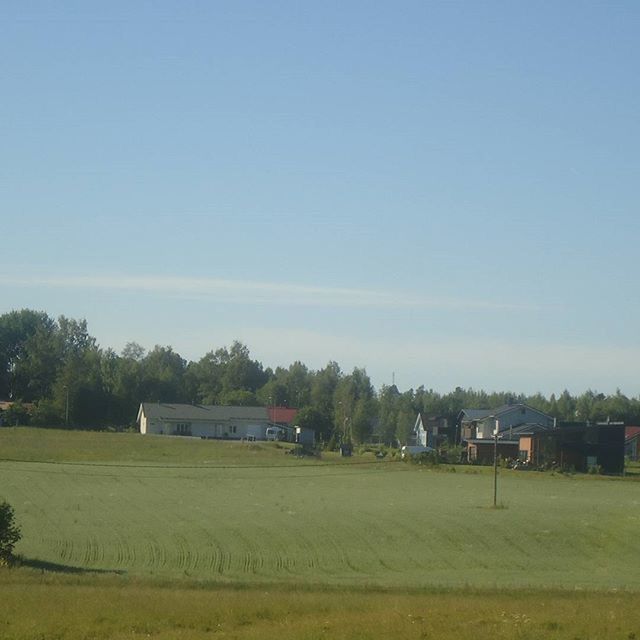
column 327, row 524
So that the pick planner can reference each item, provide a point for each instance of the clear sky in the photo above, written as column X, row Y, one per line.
column 447, row 191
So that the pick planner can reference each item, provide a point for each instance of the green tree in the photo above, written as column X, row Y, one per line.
column 388, row 413
column 203, row 379
column 238, row 398
column 9, row 532
column 240, row 372
column 29, row 354
column 314, row 418
column 323, row 387
column 163, row 373
column 566, row 406
column 78, row 392
column 298, row 384
column 354, row 407
column 274, row 392
column 362, row 421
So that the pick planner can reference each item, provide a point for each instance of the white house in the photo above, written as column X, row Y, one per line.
column 204, row 421
column 429, row 432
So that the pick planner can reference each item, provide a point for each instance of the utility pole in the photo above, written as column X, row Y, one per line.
column 66, row 407
column 495, row 465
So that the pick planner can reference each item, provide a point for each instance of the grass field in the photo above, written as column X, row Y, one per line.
column 226, row 522
column 62, row 608
column 249, row 513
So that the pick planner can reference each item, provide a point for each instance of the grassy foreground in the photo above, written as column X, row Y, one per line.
column 77, row 608
column 133, row 537
column 276, row 519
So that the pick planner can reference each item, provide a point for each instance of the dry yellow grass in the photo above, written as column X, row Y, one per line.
column 115, row 608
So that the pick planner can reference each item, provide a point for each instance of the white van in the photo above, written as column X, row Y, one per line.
column 274, row 433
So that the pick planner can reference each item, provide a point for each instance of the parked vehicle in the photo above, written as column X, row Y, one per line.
column 413, row 450
column 275, row 433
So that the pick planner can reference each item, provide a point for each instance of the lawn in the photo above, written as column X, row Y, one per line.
column 55, row 445
column 230, row 514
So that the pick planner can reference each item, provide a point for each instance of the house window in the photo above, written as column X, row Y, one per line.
column 523, row 454
column 183, row 428
column 233, row 429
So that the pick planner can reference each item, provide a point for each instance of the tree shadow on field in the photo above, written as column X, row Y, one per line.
column 54, row 567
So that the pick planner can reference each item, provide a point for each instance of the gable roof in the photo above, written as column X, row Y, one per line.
column 423, row 420
column 481, row 414
column 194, row 412
column 631, row 432
column 476, row 414
column 524, row 429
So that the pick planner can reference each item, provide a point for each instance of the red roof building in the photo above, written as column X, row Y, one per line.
column 282, row 415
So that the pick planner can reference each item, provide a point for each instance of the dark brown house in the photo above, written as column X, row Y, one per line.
column 577, row 445
column 570, row 445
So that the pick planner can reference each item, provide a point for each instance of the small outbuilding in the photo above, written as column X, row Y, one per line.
column 305, row 436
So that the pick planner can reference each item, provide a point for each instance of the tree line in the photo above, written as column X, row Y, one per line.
column 57, row 375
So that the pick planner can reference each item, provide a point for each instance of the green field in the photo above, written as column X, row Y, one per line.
column 275, row 518
column 201, row 521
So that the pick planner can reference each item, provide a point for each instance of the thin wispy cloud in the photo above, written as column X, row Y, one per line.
column 247, row 292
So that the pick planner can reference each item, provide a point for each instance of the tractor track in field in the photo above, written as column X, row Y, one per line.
column 156, row 553
column 125, row 553
column 322, row 523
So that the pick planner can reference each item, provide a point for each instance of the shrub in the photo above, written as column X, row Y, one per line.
column 9, row 533
column 426, row 458
column 16, row 414
column 45, row 414
column 452, row 454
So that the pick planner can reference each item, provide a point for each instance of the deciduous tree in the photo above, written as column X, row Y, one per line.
column 9, row 532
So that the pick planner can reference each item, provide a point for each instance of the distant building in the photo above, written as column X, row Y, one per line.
column 479, row 424
column 632, row 443
column 570, row 445
column 305, row 436
column 429, row 431
column 213, row 421
column 578, row 445
column 282, row 415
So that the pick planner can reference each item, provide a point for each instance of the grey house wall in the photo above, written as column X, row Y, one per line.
column 203, row 421
column 511, row 418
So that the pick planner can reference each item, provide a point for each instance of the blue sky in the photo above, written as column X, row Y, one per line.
column 444, row 191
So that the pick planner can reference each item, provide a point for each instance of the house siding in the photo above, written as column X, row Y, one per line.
column 429, row 431
column 526, row 444
column 233, row 423
column 518, row 415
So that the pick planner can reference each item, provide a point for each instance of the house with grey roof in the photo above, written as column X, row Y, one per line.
column 480, row 424
column 205, row 421
column 511, row 443
column 520, row 432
